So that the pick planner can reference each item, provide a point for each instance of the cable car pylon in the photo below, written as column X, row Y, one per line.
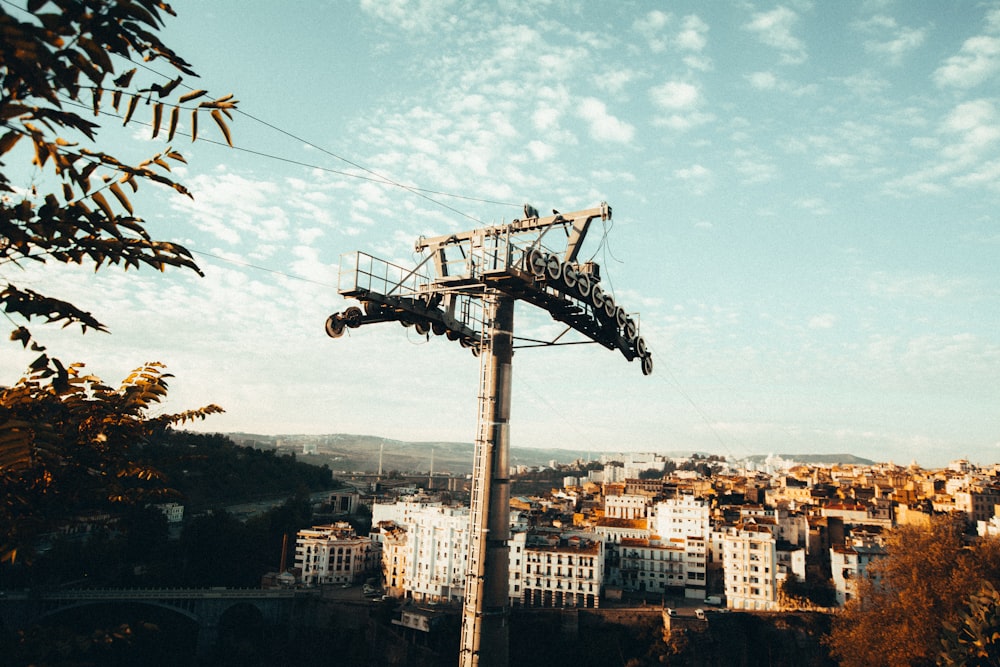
column 465, row 289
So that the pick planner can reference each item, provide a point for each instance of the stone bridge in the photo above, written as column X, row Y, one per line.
column 204, row 606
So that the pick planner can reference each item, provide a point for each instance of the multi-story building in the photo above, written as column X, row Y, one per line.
column 978, row 502
column 750, row 564
column 626, row 507
column 426, row 545
column 332, row 554
column 560, row 572
column 848, row 563
column 651, row 566
column 395, row 559
column 681, row 517
column 614, row 530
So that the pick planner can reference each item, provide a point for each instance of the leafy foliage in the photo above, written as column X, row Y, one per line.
column 209, row 470
column 911, row 594
column 62, row 58
column 975, row 639
column 81, row 440
column 57, row 63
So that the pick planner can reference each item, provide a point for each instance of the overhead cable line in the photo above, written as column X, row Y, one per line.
column 263, row 268
column 373, row 175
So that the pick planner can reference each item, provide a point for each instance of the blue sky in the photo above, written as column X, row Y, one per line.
column 805, row 207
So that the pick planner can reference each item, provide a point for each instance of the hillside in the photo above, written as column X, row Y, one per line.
column 351, row 452
column 817, row 459
column 348, row 452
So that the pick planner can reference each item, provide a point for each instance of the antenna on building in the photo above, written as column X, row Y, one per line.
column 465, row 289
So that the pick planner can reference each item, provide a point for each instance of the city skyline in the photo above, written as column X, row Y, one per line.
column 804, row 201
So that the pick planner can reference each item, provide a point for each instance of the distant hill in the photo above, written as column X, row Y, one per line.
column 352, row 453
column 820, row 459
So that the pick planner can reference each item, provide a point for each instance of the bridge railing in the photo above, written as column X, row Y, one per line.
column 160, row 593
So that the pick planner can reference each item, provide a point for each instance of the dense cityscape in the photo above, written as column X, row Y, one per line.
column 678, row 548
column 805, row 215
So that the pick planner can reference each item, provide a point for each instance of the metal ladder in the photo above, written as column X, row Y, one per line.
column 479, row 507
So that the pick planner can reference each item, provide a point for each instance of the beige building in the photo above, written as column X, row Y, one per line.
column 750, row 564
column 332, row 554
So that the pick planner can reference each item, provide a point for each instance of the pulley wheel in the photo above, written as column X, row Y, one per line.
column 647, row 365
column 334, row 326
column 353, row 316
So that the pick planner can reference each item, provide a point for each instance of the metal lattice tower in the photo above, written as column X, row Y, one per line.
column 467, row 294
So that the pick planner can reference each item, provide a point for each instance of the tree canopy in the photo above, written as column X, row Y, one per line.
column 903, row 607
column 61, row 60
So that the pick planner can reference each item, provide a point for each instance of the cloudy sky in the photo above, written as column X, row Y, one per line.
column 805, row 204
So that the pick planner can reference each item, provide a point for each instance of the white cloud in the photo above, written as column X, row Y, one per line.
column 911, row 286
column 614, row 81
column 540, row 151
column 976, row 124
column 978, row 61
column 681, row 101
column 889, row 38
column 697, row 177
column 865, row 84
column 968, row 132
column 651, row 28
column 824, row 321
column 774, row 28
column 603, row 125
column 421, row 16
column 693, row 34
column 770, row 81
column 753, row 168
column 230, row 206
column 675, row 96
column 546, row 118
column 763, row 80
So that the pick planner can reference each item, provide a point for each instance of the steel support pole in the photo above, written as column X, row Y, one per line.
column 486, row 610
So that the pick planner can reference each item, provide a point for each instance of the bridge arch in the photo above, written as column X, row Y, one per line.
column 48, row 614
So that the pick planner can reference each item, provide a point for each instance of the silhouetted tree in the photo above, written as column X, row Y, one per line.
column 57, row 57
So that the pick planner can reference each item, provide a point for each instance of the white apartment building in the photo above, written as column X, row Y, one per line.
column 785, row 525
column 990, row 528
column 791, row 562
column 425, row 546
column 557, row 572
column 681, row 517
column 750, row 567
column 332, row 554
column 850, row 562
